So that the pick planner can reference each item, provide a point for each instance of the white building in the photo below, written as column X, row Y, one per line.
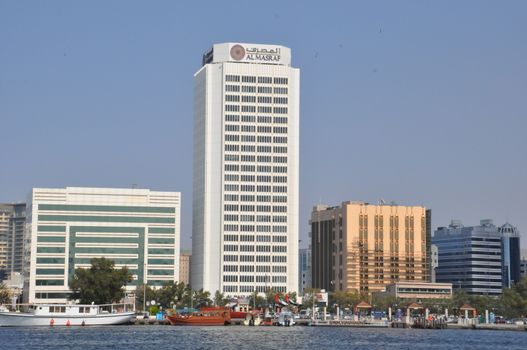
column 136, row 228
column 246, row 144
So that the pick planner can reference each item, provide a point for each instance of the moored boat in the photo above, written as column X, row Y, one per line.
column 67, row 315
column 200, row 318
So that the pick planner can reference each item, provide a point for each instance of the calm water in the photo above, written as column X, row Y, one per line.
column 236, row 337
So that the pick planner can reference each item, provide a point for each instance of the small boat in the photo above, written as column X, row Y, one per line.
column 200, row 318
column 252, row 319
column 67, row 315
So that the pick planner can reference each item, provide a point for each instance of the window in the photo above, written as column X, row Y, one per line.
column 232, row 98
column 232, row 88
column 235, row 78
column 251, row 89
column 265, row 80
column 248, row 79
column 232, row 108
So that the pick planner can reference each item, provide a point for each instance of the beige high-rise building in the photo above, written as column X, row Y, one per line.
column 184, row 267
column 363, row 247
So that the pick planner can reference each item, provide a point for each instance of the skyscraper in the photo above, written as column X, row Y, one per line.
column 246, row 145
column 511, row 260
column 12, row 224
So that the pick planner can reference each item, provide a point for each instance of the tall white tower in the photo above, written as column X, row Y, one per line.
column 246, row 144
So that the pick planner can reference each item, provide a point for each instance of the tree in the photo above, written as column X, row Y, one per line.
column 256, row 300
column 220, row 299
column 101, row 283
column 5, row 294
column 139, row 296
column 201, row 298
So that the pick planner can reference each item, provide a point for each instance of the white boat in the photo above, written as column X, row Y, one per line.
column 67, row 315
column 285, row 318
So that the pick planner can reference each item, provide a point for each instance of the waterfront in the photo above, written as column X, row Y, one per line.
column 235, row 337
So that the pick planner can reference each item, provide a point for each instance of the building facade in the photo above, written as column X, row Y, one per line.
column 136, row 228
column 363, row 247
column 419, row 291
column 470, row 257
column 184, row 267
column 12, row 225
column 304, row 270
column 434, row 256
column 523, row 263
column 246, row 147
column 511, row 256
column 5, row 214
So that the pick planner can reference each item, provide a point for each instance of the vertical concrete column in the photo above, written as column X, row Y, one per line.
column 389, row 314
column 486, row 316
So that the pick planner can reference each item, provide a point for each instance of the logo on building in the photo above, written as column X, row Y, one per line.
column 237, row 52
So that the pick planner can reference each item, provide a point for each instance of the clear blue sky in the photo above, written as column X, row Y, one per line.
column 417, row 102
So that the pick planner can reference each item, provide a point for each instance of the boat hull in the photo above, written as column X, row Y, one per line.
column 192, row 320
column 19, row 319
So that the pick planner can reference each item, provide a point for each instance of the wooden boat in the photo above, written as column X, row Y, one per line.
column 67, row 315
column 200, row 318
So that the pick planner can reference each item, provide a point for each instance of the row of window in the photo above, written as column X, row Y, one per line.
column 253, row 119
column 251, row 188
column 252, row 248
column 260, row 149
column 254, row 79
column 254, row 99
column 257, row 258
column 253, row 109
column 259, row 169
column 259, row 129
column 251, row 198
column 251, row 238
column 252, row 138
column 250, row 228
column 252, row 178
column 251, row 289
column 252, row 158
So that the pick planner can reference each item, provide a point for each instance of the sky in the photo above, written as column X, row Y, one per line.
column 416, row 102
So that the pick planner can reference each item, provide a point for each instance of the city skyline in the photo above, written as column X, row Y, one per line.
column 102, row 98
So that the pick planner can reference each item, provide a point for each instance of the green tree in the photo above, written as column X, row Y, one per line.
column 201, row 298
column 139, row 296
column 101, row 283
column 220, row 299
column 257, row 300
column 5, row 294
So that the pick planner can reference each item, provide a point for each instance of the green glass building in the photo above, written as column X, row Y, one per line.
column 136, row 228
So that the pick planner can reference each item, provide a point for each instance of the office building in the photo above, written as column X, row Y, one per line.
column 510, row 243
column 5, row 214
column 523, row 263
column 470, row 257
column 304, row 270
column 12, row 225
column 363, row 247
column 136, row 228
column 434, row 255
column 246, row 147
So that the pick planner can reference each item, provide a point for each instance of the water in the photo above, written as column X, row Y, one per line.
column 236, row 337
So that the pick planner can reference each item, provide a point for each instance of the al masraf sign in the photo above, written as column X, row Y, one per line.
column 240, row 53
column 252, row 53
